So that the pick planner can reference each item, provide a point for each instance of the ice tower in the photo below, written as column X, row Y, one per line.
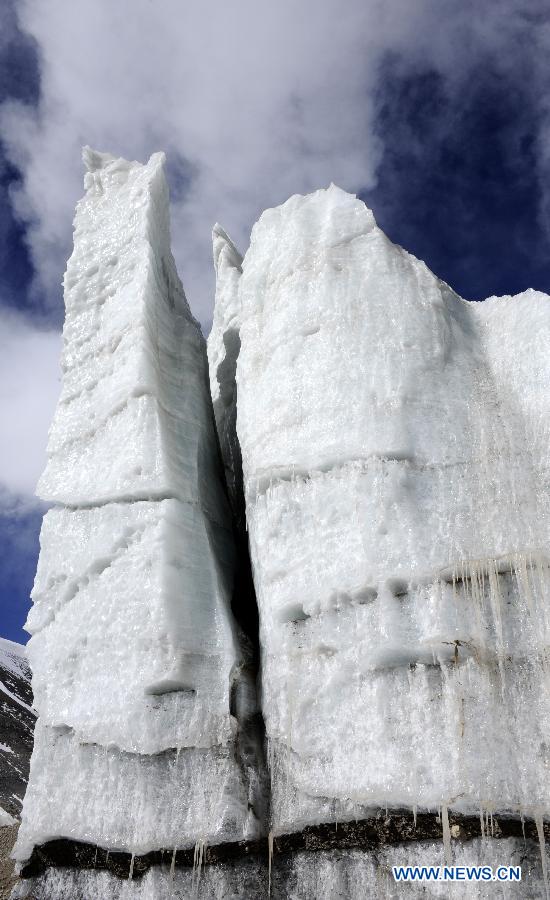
column 133, row 648
column 394, row 448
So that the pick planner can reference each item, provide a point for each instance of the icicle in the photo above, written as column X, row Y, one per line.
column 542, row 844
column 523, row 583
column 173, row 864
column 522, row 824
column 288, row 755
column 481, row 821
column 197, row 861
column 195, row 856
column 414, row 814
column 202, row 853
column 495, row 600
column 446, row 835
column 461, row 717
column 270, row 860
column 472, row 597
column 131, row 874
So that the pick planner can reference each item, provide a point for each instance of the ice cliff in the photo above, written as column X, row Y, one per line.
column 380, row 447
column 393, row 439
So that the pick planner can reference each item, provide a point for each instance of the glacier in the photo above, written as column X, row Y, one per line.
column 354, row 465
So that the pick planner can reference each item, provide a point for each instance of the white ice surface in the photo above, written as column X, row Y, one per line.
column 134, row 402
column 336, row 319
column 6, row 819
column 127, row 801
column 152, row 667
column 394, row 441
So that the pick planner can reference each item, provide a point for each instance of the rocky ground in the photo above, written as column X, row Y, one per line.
column 7, row 878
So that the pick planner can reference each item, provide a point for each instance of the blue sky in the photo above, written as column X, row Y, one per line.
column 437, row 116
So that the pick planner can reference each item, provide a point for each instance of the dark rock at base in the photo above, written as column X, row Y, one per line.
column 17, row 720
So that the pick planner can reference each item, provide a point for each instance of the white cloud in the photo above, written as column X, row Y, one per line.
column 29, row 386
column 252, row 101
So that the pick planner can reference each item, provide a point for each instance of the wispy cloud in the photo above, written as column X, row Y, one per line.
column 252, row 101
column 29, row 386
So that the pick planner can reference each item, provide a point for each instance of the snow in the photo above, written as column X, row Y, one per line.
column 134, row 651
column 6, row 819
column 5, row 690
column 13, row 657
column 393, row 441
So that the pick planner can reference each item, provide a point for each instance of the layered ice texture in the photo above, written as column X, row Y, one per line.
column 134, row 651
column 394, row 442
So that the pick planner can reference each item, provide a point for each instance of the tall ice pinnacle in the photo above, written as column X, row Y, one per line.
column 134, row 651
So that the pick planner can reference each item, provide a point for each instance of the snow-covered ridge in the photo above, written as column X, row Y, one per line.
column 13, row 657
column 17, row 718
column 14, row 662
